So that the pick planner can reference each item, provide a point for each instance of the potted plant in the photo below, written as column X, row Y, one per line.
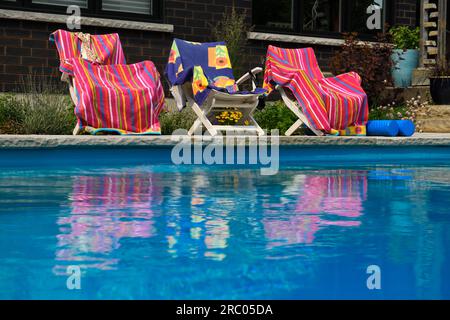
column 406, row 54
column 440, row 84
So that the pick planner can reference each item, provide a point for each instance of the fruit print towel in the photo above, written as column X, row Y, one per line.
column 206, row 65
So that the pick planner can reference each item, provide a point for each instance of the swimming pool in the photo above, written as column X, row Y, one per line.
column 139, row 227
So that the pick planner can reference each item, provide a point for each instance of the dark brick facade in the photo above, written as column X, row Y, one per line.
column 406, row 12
column 25, row 49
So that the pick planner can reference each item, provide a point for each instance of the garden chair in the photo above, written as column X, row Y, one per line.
column 201, row 76
column 109, row 95
column 332, row 106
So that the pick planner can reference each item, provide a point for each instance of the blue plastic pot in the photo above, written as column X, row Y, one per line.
column 404, row 64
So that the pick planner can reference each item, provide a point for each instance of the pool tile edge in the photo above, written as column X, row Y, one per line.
column 45, row 141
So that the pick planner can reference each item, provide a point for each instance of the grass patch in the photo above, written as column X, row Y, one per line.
column 39, row 113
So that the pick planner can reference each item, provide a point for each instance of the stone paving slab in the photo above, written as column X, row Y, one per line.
column 45, row 141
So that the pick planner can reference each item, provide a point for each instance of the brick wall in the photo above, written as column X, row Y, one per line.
column 25, row 49
column 406, row 12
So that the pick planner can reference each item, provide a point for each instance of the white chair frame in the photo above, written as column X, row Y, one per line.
column 295, row 108
column 246, row 103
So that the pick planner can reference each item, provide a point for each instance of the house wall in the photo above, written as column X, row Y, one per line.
column 25, row 49
column 406, row 12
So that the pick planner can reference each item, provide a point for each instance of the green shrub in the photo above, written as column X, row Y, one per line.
column 36, row 113
column 171, row 121
column 48, row 114
column 276, row 116
column 11, row 115
column 40, row 107
column 233, row 30
column 405, row 37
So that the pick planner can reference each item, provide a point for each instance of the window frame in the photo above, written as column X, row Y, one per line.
column 297, row 22
column 93, row 10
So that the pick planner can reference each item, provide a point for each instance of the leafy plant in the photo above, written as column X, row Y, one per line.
column 233, row 30
column 405, row 37
column 275, row 116
column 372, row 61
column 171, row 121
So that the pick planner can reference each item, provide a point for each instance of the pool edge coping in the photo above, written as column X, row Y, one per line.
column 47, row 141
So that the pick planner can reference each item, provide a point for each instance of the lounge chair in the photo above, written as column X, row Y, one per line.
column 109, row 95
column 201, row 76
column 333, row 106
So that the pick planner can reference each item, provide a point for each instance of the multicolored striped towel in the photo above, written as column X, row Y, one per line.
column 206, row 65
column 336, row 105
column 112, row 96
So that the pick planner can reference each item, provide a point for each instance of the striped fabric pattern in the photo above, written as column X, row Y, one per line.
column 113, row 97
column 332, row 105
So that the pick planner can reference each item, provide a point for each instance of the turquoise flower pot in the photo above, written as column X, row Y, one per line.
column 404, row 64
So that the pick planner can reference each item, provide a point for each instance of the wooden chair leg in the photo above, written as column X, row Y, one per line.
column 204, row 120
column 296, row 110
column 194, row 127
column 76, row 130
column 294, row 127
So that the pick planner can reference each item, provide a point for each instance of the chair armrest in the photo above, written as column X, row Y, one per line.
column 250, row 75
column 179, row 96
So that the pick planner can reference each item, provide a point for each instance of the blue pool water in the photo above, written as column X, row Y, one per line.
column 139, row 227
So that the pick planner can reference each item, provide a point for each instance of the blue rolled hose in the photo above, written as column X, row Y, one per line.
column 386, row 128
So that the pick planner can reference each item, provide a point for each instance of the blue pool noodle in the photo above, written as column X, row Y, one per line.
column 387, row 128
column 406, row 128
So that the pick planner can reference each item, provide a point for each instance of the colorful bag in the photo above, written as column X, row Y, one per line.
column 111, row 95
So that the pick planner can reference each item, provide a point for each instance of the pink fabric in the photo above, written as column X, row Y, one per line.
column 330, row 104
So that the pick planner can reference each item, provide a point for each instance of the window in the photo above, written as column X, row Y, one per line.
column 65, row 3
column 144, row 10
column 268, row 15
column 316, row 17
column 134, row 6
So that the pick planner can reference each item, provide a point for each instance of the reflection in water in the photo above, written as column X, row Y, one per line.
column 304, row 233
column 212, row 216
column 108, row 208
column 323, row 200
column 202, row 230
column 104, row 210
